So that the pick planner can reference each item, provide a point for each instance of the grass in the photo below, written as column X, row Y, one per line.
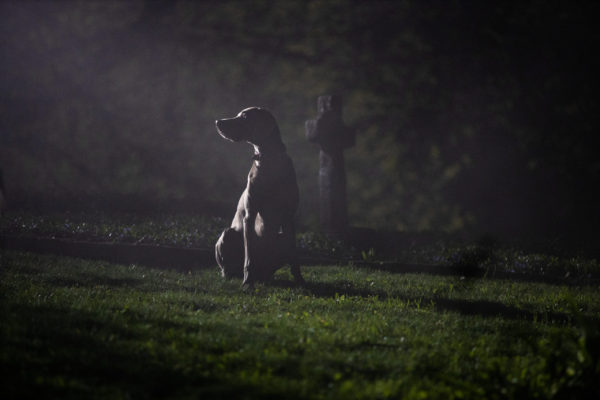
column 192, row 231
column 165, row 229
column 79, row 329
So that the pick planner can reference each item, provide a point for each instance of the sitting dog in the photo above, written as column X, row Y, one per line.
column 262, row 235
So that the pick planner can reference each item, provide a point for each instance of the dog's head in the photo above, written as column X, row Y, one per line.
column 254, row 125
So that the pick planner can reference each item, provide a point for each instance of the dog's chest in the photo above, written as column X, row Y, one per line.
column 264, row 176
column 271, row 184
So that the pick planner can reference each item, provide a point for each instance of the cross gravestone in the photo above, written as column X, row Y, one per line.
column 328, row 130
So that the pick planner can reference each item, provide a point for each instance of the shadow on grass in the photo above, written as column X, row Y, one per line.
column 473, row 271
column 93, row 281
column 483, row 308
column 66, row 353
column 90, row 281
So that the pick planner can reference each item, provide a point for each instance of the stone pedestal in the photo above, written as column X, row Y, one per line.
column 330, row 133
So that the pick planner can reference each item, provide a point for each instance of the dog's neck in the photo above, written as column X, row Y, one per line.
column 268, row 150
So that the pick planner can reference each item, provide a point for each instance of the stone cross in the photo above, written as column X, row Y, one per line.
column 328, row 130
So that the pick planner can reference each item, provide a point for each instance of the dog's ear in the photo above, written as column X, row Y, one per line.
column 263, row 124
column 275, row 129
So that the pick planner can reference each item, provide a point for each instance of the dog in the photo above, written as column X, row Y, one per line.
column 262, row 235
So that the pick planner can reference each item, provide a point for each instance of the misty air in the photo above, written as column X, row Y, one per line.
column 299, row 199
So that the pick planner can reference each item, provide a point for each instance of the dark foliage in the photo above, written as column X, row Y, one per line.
column 468, row 115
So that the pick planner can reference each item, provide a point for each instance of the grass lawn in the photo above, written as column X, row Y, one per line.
column 78, row 329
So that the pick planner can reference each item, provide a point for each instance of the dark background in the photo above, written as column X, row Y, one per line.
column 471, row 116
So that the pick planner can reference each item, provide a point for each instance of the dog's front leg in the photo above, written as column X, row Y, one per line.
column 249, row 236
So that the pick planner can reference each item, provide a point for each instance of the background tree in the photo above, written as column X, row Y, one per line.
column 469, row 115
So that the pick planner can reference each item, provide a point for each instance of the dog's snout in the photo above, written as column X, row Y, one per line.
column 227, row 130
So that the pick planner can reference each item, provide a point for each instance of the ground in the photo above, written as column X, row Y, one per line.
column 87, row 329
